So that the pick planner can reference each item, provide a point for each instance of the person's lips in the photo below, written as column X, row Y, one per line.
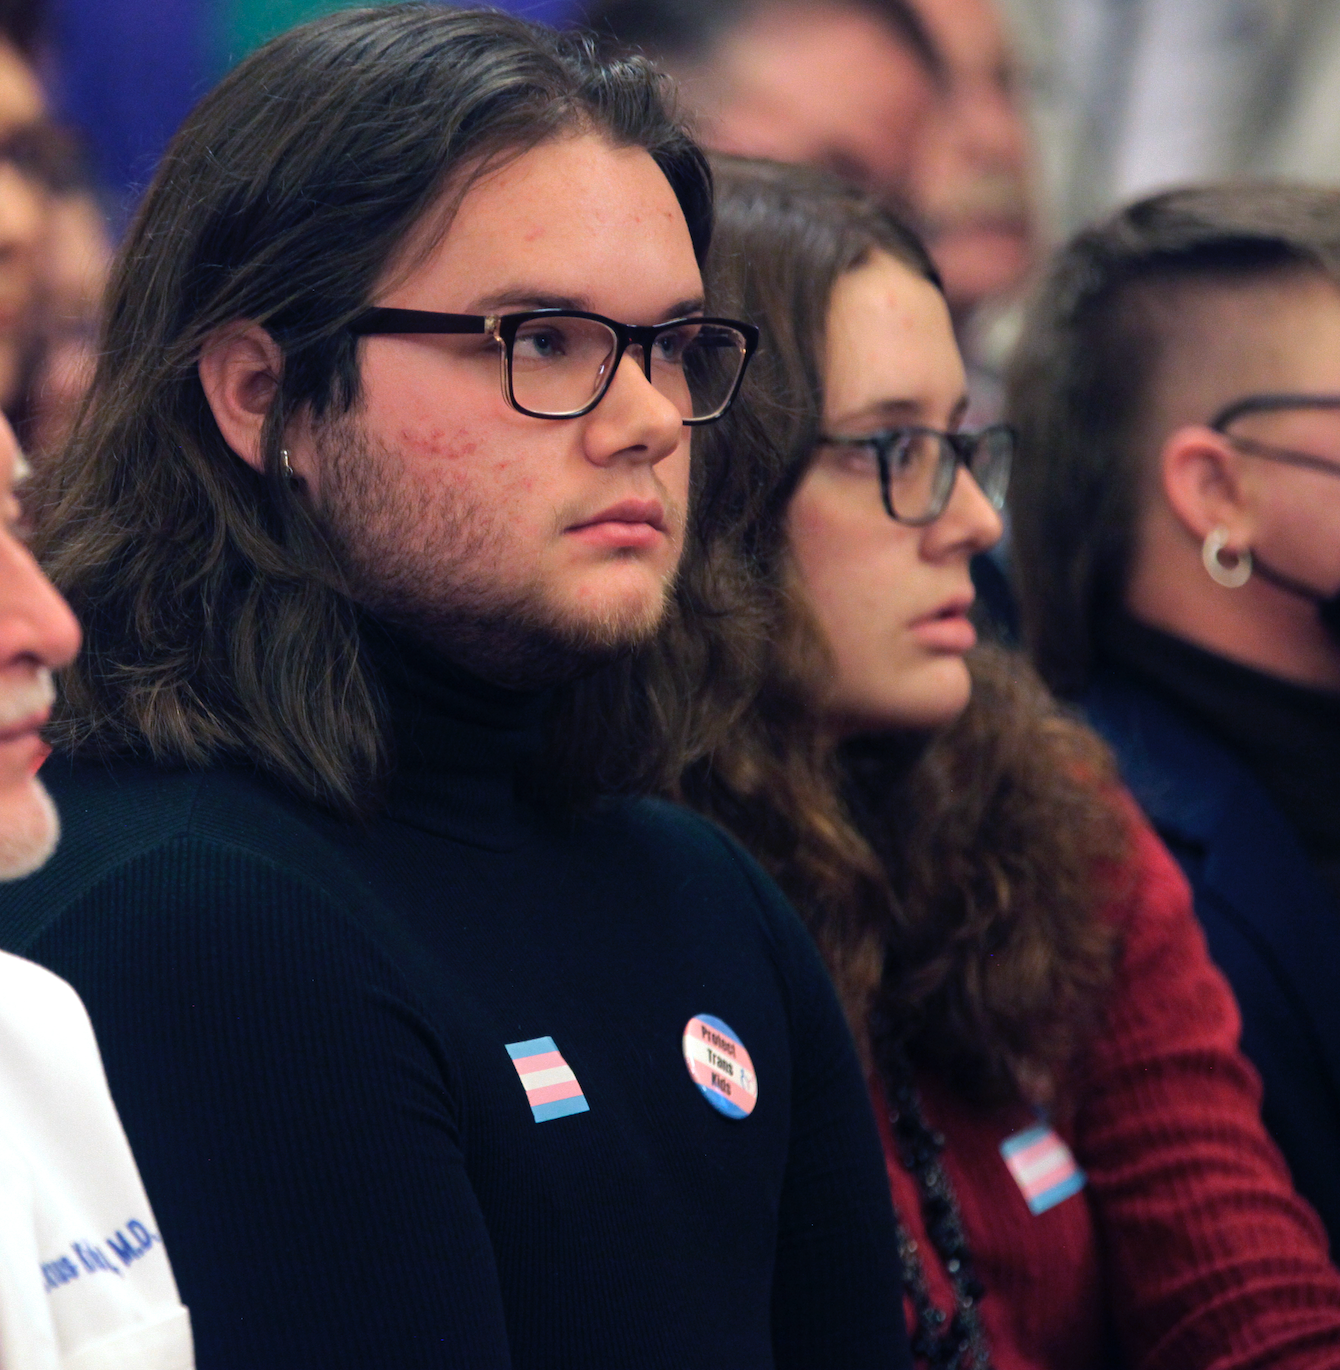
column 947, row 628
column 629, row 523
column 25, row 728
column 21, row 743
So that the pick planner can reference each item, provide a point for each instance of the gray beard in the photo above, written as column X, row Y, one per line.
column 418, row 559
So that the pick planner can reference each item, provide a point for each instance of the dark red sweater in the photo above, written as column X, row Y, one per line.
column 1188, row 1235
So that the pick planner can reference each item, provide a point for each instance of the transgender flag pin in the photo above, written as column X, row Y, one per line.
column 551, row 1088
column 1042, row 1167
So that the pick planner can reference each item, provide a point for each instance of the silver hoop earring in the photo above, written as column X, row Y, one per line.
column 289, row 474
column 1232, row 577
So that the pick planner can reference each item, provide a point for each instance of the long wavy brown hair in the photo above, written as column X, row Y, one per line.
column 954, row 883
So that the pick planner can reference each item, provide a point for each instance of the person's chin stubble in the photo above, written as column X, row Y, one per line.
column 420, row 557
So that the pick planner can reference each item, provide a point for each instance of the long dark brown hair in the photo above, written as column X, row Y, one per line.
column 953, row 883
column 217, row 625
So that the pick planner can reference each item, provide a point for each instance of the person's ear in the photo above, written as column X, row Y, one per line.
column 240, row 369
column 1202, row 480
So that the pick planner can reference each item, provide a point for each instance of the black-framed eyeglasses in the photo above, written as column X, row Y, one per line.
column 558, row 363
column 918, row 466
column 1268, row 451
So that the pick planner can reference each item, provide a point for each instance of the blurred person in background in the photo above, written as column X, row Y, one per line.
column 1177, row 533
column 84, row 1278
column 844, row 85
column 25, row 201
column 55, row 250
column 916, row 101
column 73, row 268
column 1073, row 1138
column 971, row 188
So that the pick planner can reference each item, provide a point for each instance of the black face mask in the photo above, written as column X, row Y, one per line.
column 1328, row 605
column 1329, row 609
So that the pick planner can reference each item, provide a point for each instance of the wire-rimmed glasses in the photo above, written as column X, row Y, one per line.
column 558, row 363
column 918, row 466
column 1269, row 451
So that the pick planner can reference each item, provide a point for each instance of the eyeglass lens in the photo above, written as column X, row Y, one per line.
column 990, row 464
column 922, row 467
column 561, row 363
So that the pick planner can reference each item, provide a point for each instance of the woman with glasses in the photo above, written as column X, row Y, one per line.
column 1072, row 1138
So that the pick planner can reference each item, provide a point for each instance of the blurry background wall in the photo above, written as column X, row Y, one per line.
column 1125, row 95
column 125, row 72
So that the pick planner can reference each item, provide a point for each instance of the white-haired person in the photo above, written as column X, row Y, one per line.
column 84, row 1281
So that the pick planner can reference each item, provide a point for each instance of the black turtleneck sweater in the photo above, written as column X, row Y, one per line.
column 316, row 1035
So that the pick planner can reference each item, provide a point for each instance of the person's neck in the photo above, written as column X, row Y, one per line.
column 1258, row 625
column 463, row 748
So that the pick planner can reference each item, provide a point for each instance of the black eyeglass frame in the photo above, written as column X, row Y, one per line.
column 962, row 447
column 503, row 328
column 1268, row 451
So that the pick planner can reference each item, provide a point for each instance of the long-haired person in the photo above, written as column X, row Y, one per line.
column 1072, row 1137
column 430, row 1058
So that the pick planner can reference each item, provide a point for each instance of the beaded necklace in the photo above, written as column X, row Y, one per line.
column 961, row 1344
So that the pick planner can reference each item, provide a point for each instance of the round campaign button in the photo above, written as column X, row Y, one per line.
column 720, row 1066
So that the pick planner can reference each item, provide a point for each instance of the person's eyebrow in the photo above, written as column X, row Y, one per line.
column 959, row 411
column 527, row 297
column 886, row 412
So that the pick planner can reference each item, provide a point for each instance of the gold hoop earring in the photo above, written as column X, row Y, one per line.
column 1234, row 576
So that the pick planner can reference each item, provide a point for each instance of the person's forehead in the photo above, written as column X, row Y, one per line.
column 890, row 338
column 811, row 54
column 577, row 216
column 969, row 33
column 779, row 75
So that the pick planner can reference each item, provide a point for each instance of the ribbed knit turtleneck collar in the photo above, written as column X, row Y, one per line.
column 462, row 747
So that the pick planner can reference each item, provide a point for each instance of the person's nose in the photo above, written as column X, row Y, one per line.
column 969, row 524
column 23, row 206
column 36, row 625
column 634, row 421
column 990, row 125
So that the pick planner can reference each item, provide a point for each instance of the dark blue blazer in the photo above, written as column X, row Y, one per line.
column 1272, row 926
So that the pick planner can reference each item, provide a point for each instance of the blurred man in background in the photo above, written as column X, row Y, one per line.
column 971, row 186
column 844, row 85
column 915, row 101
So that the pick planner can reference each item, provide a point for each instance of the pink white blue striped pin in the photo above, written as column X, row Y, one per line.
column 1042, row 1167
column 551, row 1088
column 720, row 1066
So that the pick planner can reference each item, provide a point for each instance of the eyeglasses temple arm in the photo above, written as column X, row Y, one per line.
column 376, row 321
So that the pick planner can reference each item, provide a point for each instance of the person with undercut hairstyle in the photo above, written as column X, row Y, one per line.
column 1177, row 534
column 437, row 1045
